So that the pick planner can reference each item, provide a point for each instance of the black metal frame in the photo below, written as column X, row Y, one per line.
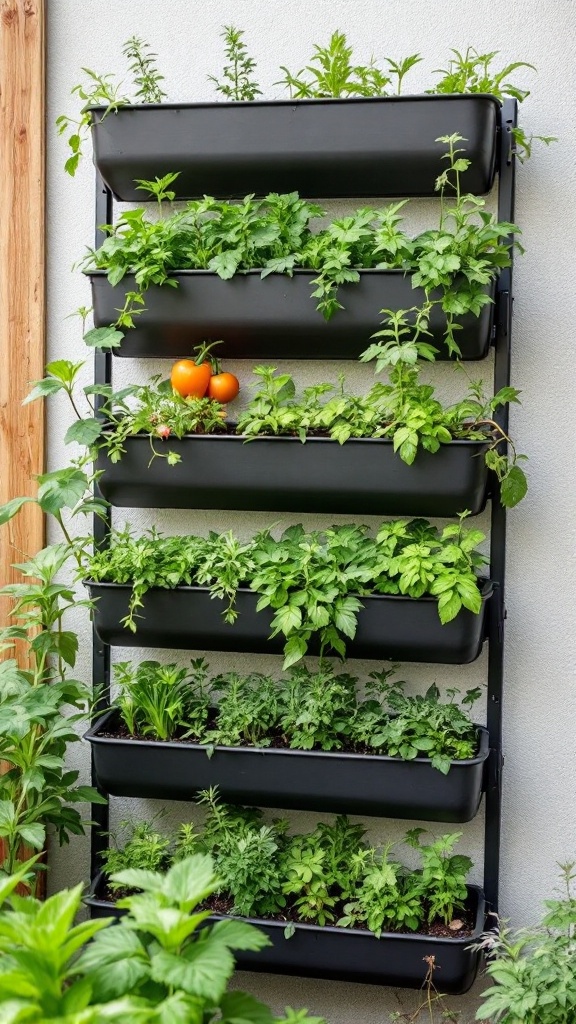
column 496, row 626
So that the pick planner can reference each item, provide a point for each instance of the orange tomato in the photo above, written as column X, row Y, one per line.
column 223, row 387
column 190, row 378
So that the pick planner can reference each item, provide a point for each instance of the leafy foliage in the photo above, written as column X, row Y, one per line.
column 330, row 875
column 238, row 82
column 319, row 710
column 159, row 963
column 35, row 729
column 313, row 582
column 533, row 968
column 143, row 68
column 452, row 263
column 472, row 72
column 331, row 73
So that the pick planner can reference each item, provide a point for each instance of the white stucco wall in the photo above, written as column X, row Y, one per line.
column 540, row 693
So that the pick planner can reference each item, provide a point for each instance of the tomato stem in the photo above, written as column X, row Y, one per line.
column 201, row 353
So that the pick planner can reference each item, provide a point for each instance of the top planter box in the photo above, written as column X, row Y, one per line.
column 329, row 148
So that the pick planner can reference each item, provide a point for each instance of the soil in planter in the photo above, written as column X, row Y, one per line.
column 220, row 903
column 278, row 741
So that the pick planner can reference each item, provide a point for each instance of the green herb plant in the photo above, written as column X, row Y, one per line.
column 306, row 710
column 158, row 700
column 238, row 81
column 533, row 968
column 145, row 74
column 453, row 263
column 36, row 692
column 472, row 72
column 156, row 964
column 330, row 875
column 313, row 582
column 103, row 91
column 332, row 74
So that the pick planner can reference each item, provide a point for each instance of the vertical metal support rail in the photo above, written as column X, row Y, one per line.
column 497, row 616
column 104, row 212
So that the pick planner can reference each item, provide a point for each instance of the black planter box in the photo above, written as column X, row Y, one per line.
column 187, row 618
column 351, row 954
column 363, row 476
column 272, row 317
column 319, row 148
column 270, row 777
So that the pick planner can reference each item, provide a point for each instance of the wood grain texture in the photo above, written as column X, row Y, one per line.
column 22, row 284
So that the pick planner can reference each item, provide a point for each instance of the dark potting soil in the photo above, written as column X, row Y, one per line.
column 277, row 740
column 461, row 927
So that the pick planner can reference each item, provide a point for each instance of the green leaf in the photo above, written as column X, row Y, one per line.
column 61, row 489
column 240, row 935
column 103, row 337
column 449, row 604
column 84, row 432
column 286, row 619
column 513, row 487
column 116, row 963
column 11, row 508
column 225, row 264
column 42, row 388
column 202, row 969
column 191, row 880
column 345, row 615
column 34, row 835
column 294, row 649
column 240, row 1008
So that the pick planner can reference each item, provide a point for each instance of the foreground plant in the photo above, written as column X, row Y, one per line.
column 533, row 968
column 314, row 582
column 159, row 963
column 39, row 706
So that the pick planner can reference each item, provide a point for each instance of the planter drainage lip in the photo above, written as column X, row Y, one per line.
column 221, row 147
column 486, row 590
column 340, row 782
column 349, row 954
column 98, row 108
column 241, row 438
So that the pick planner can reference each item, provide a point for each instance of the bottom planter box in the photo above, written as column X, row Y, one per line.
column 187, row 618
column 270, row 777
column 353, row 954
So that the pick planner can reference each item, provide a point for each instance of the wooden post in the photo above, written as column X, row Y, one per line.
column 22, row 283
column 22, row 287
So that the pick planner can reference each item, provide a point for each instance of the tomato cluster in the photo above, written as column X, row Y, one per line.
column 202, row 376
